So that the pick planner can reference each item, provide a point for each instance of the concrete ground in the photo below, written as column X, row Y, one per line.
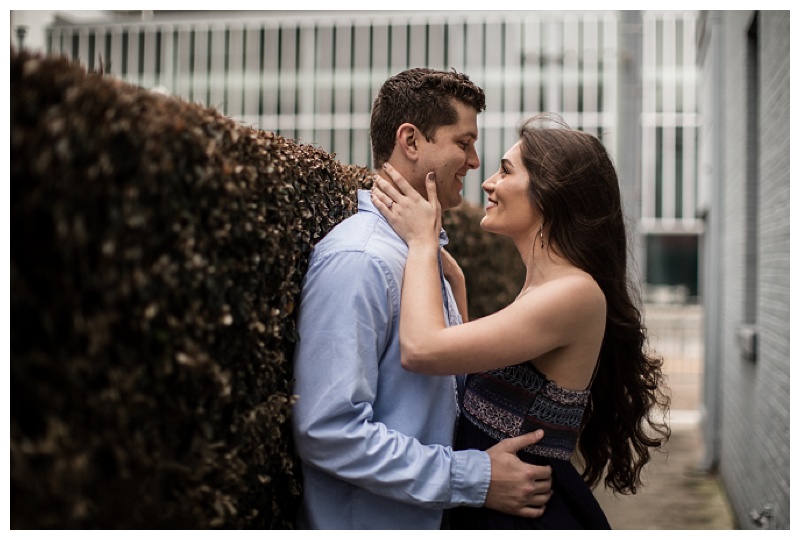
column 676, row 494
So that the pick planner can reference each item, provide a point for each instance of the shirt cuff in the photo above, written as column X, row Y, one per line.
column 470, row 473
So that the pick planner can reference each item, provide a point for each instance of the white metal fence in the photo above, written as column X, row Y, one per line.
column 670, row 123
column 312, row 77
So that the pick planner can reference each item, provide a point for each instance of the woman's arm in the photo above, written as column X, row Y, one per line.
column 418, row 222
column 530, row 327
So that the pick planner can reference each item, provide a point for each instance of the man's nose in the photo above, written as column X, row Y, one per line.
column 473, row 161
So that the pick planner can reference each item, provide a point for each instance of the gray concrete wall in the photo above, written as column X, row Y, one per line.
column 771, row 418
column 754, row 415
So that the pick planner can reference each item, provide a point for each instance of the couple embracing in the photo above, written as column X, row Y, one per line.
column 411, row 416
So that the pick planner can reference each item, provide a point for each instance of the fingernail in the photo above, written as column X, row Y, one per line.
column 385, row 166
column 431, row 177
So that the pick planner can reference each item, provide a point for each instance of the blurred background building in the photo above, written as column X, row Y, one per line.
column 693, row 107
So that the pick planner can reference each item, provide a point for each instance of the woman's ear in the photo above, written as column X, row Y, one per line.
column 407, row 140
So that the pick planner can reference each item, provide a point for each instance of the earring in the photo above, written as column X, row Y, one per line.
column 541, row 236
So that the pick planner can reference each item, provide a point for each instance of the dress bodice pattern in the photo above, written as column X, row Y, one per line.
column 518, row 399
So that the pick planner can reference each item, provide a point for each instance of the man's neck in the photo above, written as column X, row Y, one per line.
column 406, row 172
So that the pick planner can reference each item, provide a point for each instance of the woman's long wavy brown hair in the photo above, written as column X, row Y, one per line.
column 575, row 185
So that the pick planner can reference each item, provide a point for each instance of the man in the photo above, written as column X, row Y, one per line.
column 375, row 440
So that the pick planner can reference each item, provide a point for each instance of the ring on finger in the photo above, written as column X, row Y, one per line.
column 389, row 206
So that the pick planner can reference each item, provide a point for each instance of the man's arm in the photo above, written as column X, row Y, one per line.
column 345, row 324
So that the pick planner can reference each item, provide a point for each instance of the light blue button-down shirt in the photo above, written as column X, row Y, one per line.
column 374, row 440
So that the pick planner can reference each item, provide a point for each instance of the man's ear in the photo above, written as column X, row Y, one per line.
column 407, row 140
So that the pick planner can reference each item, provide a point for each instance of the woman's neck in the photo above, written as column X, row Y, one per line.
column 541, row 263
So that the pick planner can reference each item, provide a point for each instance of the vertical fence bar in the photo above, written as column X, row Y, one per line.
column 54, row 41
column 181, row 58
column 380, row 68
column 511, row 90
column 167, row 65
column 398, row 49
column 590, row 78
column 116, row 51
column 170, row 59
column 325, row 86
column 100, row 47
column 132, row 56
column 351, row 125
column 492, row 65
column 362, row 96
column 648, row 112
column 512, row 74
column 610, row 74
column 668, row 84
column 201, row 65
column 437, row 47
column 159, row 57
column 149, row 57
column 83, row 46
column 417, row 44
column 214, row 68
column 690, row 131
column 340, row 109
column 286, row 81
column 532, row 63
column 252, row 70
column 304, row 77
column 235, row 73
column 269, row 78
column 91, row 55
column 570, row 66
column 607, row 101
column 553, row 69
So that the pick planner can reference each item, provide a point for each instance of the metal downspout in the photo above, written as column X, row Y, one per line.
column 712, row 398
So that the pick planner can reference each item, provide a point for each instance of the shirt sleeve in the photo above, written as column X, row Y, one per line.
column 345, row 325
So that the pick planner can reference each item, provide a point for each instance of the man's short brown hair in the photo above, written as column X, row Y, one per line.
column 422, row 97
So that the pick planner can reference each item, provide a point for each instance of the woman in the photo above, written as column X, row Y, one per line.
column 568, row 355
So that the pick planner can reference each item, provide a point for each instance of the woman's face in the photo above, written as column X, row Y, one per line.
column 508, row 208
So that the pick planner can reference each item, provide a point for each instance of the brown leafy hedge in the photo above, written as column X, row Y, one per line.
column 156, row 258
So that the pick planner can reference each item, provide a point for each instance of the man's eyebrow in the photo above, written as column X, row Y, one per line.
column 470, row 134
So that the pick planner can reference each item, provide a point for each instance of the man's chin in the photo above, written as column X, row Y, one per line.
column 455, row 204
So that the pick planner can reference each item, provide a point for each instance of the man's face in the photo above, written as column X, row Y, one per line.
column 451, row 154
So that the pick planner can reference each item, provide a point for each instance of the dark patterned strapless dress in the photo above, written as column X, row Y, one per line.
column 519, row 399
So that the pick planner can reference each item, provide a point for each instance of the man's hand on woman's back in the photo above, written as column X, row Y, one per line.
column 517, row 487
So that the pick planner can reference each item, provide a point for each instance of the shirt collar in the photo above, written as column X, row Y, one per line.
column 365, row 205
